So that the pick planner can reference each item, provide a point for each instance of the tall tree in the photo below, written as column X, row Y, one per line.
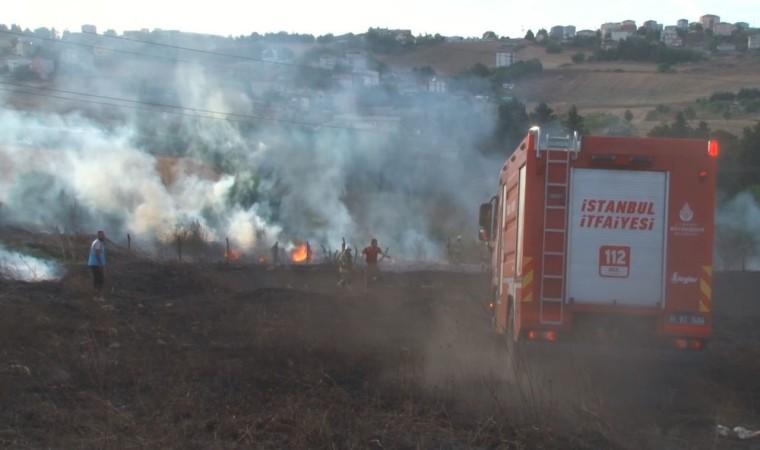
column 542, row 114
column 574, row 121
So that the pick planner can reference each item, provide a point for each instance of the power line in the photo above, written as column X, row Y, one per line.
column 180, row 110
column 61, row 94
column 167, row 58
column 452, row 46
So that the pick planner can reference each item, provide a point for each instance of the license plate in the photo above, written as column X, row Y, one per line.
column 686, row 319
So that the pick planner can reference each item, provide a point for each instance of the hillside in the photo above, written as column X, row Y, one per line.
column 604, row 87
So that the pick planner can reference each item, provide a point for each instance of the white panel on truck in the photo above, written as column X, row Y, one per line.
column 616, row 237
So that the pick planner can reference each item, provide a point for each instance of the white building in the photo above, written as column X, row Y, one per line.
column 505, row 59
column 753, row 42
column 327, row 62
column 608, row 28
column 437, row 85
column 669, row 36
column 620, row 35
column 357, row 60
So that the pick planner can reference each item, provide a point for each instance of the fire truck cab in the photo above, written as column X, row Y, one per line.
column 603, row 235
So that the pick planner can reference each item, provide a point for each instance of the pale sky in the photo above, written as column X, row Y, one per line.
column 467, row 18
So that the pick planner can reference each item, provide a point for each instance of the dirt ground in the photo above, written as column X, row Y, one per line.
column 242, row 355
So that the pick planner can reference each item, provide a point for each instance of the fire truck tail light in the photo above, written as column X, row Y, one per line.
column 687, row 344
column 548, row 336
column 713, row 148
column 695, row 344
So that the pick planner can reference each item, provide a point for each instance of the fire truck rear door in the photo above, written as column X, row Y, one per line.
column 616, row 237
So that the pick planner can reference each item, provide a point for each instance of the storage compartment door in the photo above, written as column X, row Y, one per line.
column 616, row 237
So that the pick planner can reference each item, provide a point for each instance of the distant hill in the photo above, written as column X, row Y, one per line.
column 606, row 87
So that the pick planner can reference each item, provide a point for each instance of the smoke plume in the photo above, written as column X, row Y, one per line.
column 243, row 158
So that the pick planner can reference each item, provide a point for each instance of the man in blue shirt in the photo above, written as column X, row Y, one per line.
column 97, row 263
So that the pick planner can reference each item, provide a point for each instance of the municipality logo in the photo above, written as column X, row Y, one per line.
column 686, row 213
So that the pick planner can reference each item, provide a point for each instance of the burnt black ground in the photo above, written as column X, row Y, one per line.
column 243, row 356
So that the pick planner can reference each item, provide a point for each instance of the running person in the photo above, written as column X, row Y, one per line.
column 370, row 254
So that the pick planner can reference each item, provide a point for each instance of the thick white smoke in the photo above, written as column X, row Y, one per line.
column 736, row 242
column 17, row 266
column 239, row 170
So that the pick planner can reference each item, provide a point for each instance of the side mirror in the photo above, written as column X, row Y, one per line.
column 485, row 220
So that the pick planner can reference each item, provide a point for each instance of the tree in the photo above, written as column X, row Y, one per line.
column 480, row 70
column 542, row 114
column 574, row 121
column 423, row 73
column 680, row 127
column 529, row 36
column 748, row 149
column 578, row 57
column 628, row 115
column 326, row 39
column 513, row 123
column 490, row 36
column 553, row 46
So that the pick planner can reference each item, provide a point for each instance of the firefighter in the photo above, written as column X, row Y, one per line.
column 345, row 265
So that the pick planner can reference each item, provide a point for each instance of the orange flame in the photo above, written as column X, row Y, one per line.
column 231, row 254
column 299, row 253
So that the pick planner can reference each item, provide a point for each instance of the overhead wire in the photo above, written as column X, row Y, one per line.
column 193, row 112
column 157, row 44
column 175, row 109
column 201, row 113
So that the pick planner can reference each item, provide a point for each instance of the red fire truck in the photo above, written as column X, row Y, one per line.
column 603, row 237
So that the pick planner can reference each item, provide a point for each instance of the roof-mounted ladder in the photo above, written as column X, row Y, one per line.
column 557, row 151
